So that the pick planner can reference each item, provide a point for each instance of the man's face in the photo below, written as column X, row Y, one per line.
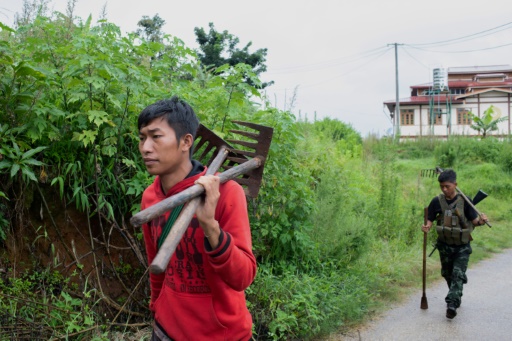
column 448, row 189
column 161, row 151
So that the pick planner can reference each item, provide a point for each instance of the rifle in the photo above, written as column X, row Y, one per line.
column 471, row 204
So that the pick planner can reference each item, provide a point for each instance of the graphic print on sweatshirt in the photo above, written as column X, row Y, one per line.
column 185, row 272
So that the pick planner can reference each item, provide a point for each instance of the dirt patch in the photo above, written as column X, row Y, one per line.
column 91, row 252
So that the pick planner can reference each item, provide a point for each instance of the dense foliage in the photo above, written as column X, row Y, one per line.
column 335, row 226
column 220, row 48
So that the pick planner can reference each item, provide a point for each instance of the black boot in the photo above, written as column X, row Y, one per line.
column 451, row 311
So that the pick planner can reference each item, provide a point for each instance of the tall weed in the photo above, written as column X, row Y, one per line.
column 342, row 225
column 504, row 158
column 300, row 306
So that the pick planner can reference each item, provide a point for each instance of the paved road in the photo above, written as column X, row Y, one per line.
column 485, row 313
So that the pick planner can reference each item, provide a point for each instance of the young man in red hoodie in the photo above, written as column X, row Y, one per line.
column 201, row 294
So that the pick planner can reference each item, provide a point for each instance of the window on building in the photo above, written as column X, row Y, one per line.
column 407, row 117
column 436, row 119
column 463, row 117
column 457, row 91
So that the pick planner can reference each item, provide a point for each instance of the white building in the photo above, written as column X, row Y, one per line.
column 441, row 108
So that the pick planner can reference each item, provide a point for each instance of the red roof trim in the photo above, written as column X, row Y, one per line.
column 464, row 84
column 424, row 100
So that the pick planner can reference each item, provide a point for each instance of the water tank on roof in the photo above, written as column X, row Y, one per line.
column 440, row 79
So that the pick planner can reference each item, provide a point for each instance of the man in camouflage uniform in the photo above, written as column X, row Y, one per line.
column 455, row 220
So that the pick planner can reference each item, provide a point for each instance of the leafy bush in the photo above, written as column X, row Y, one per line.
column 340, row 221
column 504, row 158
column 38, row 306
column 445, row 155
column 292, row 306
column 421, row 148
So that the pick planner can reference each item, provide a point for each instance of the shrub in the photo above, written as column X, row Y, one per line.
column 504, row 158
column 445, row 155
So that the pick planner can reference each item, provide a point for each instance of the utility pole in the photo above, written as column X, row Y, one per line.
column 396, row 130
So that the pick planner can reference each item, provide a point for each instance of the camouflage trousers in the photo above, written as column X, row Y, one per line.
column 454, row 263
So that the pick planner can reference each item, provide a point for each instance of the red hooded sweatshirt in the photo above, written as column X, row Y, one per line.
column 201, row 295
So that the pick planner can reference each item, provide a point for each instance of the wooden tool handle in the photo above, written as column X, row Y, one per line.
column 170, row 243
column 471, row 204
column 425, row 219
column 424, row 301
column 168, row 247
column 167, row 204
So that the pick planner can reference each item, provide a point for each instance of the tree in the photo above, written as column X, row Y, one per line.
column 220, row 48
column 151, row 28
column 30, row 11
column 489, row 120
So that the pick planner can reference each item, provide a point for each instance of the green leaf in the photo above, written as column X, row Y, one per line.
column 31, row 152
column 33, row 162
column 5, row 164
column 28, row 172
column 87, row 137
column 97, row 117
column 6, row 28
column 14, row 170
column 60, row 180
column 24, row 69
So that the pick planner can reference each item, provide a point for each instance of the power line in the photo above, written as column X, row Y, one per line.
column 501, row 27
column 410, row 55
column 376, row 52
column 342, row 74
column 329, row 63
column 464, row 51
column 352, row 70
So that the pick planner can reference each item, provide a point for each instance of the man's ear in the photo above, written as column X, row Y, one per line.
column 187, row 141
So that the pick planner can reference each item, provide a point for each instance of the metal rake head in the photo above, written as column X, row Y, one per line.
column 430, row 172
column 254, row 143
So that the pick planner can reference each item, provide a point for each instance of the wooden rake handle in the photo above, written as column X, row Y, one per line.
column 167, row 204
column 181, row 224
column 424, row 301
column 169, row 245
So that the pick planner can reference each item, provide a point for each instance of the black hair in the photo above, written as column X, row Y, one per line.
column 179, row 115
column 447, row 175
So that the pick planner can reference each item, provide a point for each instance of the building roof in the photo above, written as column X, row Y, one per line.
column 479, row 69
column 467, row 84
column 474, row 87
column 425, row 100
column 478, row 92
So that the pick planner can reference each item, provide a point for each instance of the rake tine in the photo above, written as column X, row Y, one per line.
column 251, row 145
column 243, row 152
column 263, row 136
column 244, row 133
column 429, row 173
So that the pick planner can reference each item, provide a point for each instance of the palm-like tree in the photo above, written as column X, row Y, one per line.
column 489, row 120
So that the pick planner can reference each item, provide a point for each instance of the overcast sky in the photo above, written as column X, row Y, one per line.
column 337, row 55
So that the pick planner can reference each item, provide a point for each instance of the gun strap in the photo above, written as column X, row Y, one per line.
column 168, row 225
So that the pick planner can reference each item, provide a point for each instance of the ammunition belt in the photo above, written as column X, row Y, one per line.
column 453, row 235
